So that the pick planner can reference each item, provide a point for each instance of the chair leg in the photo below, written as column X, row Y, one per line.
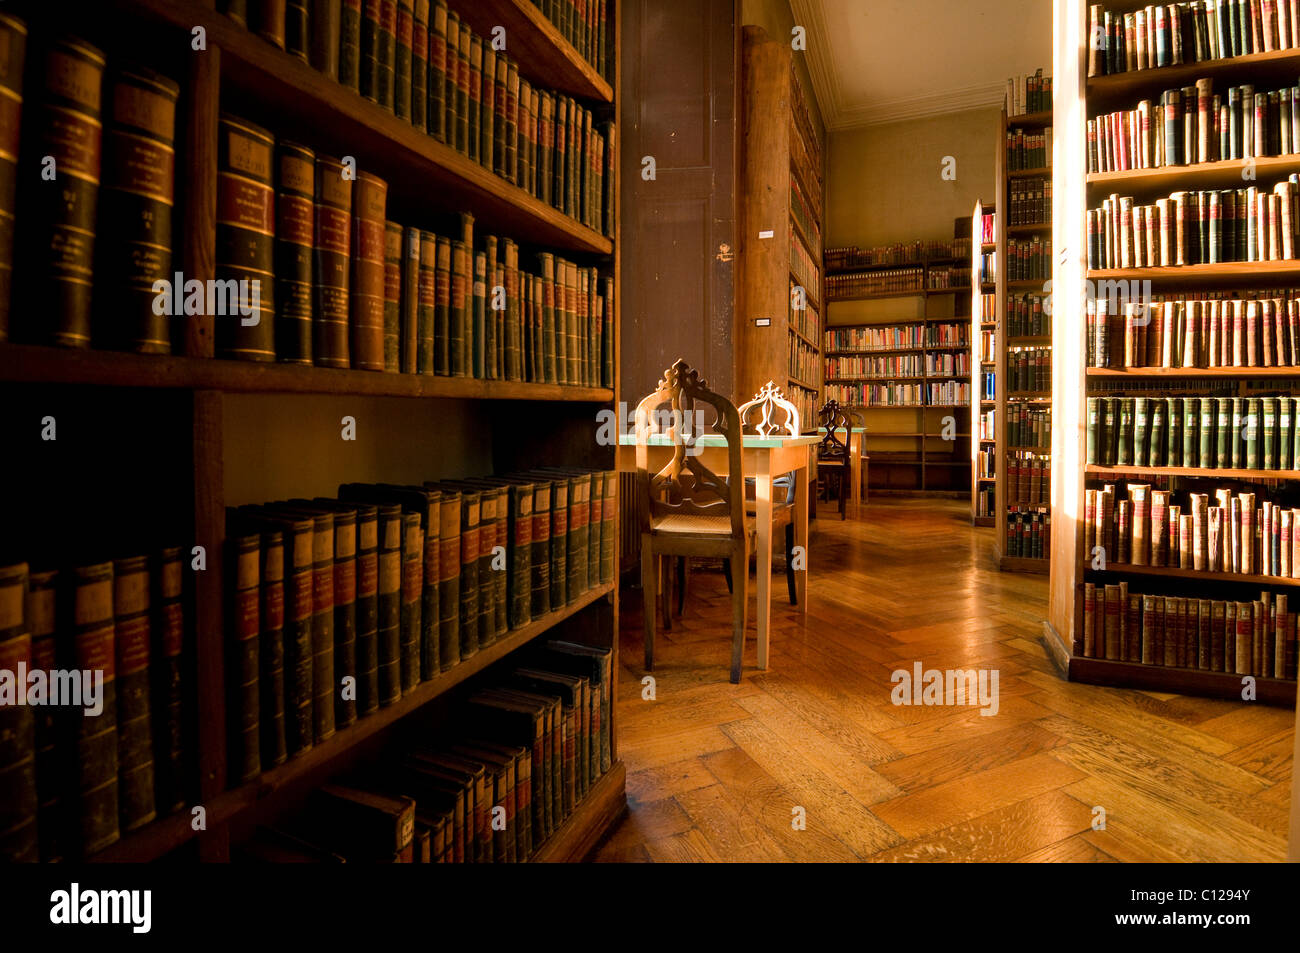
column 683, row 573
column 739, row 605
column 726, row 572
column 649, row 576
column 844, row 486
column 789, row 563
column 666, row 593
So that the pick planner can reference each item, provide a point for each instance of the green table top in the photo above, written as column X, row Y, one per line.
column 749, row 442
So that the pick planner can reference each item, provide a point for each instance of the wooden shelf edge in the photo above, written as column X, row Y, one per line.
column 1195, row 173
column 26, row 363
column 1182, row 681
column 1177, row 572
column 981, row 521
column 1041, row 118
column 1023, row 564
column 1193, row 372
column 1226, row 473
column 1117, row 83
column 578, row 836
column 160, row 837
column 1285, row 267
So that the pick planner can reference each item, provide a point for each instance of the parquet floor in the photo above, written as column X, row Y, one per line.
column 716, row 771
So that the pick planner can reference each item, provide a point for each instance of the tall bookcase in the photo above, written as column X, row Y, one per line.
column 918, row 436
column 1077, row 569
column 781, row 289
column 179, row 474
column 985, row 336
column 1022, row 509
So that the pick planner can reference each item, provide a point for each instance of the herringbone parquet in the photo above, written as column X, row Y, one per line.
column 717, row 771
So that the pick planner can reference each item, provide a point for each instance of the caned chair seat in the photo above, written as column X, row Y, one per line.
column 679, row 524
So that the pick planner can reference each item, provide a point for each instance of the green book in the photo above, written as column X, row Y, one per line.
column 437, row 119
column 350, row 45
column 410, row 639
column 322, row 618
column 487, row 108
column 347, row 517
column 420, row 67
column 480, row 314
column 243, row 548
column 442, row 310
column 389, row 633
column 369, row 33
column 1191, row 436
column 1156, row 456
column 1238, row 432
column 462, row 48
column 468, row 629
column 1141, row 434
column 428, row 301
column 607, row 332
column 515, row 512
column 1125, row 449
column 491, row 582
column 1223, row 432
column 1206, row 443
column 1110, row 428
column 1174, row 433
column 1268, row 434
column 494, row 313
column 461, row 305
column 393, row 286
column 473, row 106
column 1285, row 421
column 402, row 59
column 1252, row 433
column 387, row 73
column 546, row 262
column 406, row 334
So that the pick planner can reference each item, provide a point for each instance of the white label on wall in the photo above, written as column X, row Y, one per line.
column 762, row 322
column 766, row 233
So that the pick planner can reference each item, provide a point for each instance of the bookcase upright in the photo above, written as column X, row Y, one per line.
column 185, row 398
column 985, row 338
column 1077, row 98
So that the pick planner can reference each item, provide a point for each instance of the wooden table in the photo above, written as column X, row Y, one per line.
column 762, row 458
column 857, row 444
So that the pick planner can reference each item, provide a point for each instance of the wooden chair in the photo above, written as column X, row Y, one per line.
column 833, row 451
column 767, row 414
column 860, row 420
column 685, row 509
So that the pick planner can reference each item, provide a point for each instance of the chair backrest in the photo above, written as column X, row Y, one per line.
column 769, row 413
column 685, row 486
column 836, row 422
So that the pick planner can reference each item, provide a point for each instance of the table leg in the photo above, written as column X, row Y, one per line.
column 855, row 469
column 801, row 488
column 763, row 520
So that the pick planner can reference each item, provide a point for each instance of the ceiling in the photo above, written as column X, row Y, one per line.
column 877, row 61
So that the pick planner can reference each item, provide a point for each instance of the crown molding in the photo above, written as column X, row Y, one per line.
column 821, row 67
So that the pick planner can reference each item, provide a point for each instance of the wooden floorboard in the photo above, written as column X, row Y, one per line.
column 716, row 771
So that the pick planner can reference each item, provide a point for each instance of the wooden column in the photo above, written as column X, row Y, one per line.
column 198, row 258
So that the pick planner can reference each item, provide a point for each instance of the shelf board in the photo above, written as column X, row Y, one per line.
column 806, row 386
column 1225, row 173
column 1038, row 228
column 1027, row 173
column 51, row 365
column 918, row 293
column 1029, row 395
column 813, row 304
column 413, row 163
column 803, row 337
column 981, row 521
column 1288, row 269
column 1042, row 118
column 1023, row 564
column 1183, row 681
column 1230, row 372
column 986, row 480
column 603, row 804
column 543, row 54
column 1030, row 341
column 1177, row 572
column 1042, row 451
column 1229, row 473
column 1027, row 284
column 1118, row 85
column 875, row 350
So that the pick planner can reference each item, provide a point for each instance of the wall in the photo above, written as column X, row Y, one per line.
column 775, row 17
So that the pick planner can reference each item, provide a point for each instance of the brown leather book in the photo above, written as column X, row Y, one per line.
column 367, row 291
column 332, row 270
column 134, row 722
column 13, row 47
column 295, row 219
column 244, row 312
column 96, row 734
column 18, row 799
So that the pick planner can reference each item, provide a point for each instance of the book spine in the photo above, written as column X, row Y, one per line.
column 134, row 723
column 63, row 220
column 487, row 109
column 473, row 100
column 499, row 157
column 427, row 306
column 297, row 29
column 273, row 745
column 403, row 67
column 458, row 81
column 13, row 48
column 390, row 604
column 19, row 805
column 331, row 272
column 52, row 763
column 268, row 20
column 459, row 317
column 442, row 312
column 521, row 554
column 136, row 209
column 245, row 629
column 560, row 516
column 367, row 287
column 469, row 575
column 514, row 318
column 387, row 63
column 371, row 44
column 594, row 488
column 323, row 29
column 298, row 654
column 430, row 601
column 245, row 250
column 488, row 578
column 345, row 615
column 449, row 563
column 367, row 611
column 420, row 66
column 482, row 316
column 96, row 735
column 512, row 122
column 295, row 221
column 322, row 627
column 437, row 118
column 541, row 546
column 392, row 297
column 350, row 44
column 411, row 599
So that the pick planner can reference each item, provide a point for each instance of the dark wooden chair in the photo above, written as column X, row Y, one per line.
column 685, row 509
column 833, row 451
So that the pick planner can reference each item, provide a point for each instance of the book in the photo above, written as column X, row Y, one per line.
column 13, row 49
column 366, row 292
column 407, row 343
column 392, row 297
column 131, row 639
column 245, row 249
column 272, row 744
column 295, row 221
column 363, row 826
column 244, row 549
column 167, row 665
column 19, row 841
column 136, row 199
column 332, row 264
column 96, row 735
column 349, row 44
column 323, row 26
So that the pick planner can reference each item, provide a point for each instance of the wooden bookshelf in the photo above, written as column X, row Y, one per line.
column 983, row 504
column 1075, row 191
column 1007, row 401
column 781, row 288
column 427, row 180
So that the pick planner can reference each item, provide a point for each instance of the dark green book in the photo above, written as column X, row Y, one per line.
column 96, row 735
column 1125, row 450
column 274, row 748
column 393, row 282
column 420, row 66
column 322, row 618
column 479, row 368
column 1191, row 434
column 458, row 52
column 473, row 103
column 1174, row 436
column 367, row 611
column 469, row 567
column 350, row 45
column 346, row 538
column 243, row 549
column 1252, row 433
column 1141, row 431
column 570, row 692
column 1206, row 456
column 576, row 548
column 412, row 599
column 1094, row 423
column 437, row 118
column 499, row 117
column 427, row 301
column 403, row 53
column 487, row 109
column 448, row 575
column 1285, row 422
column 596, row 492
column 390, row 604
column 1238, row 432
column 527, row 719
column 491, row 580
column 515, row 516
column 1156, row 454
column 596, row 665
column 495, row 311
column 52, row 765
column 168, row 667
column 1223, row 432
column 609, row 527
column 19, row 802
column 461, row 305
column 408, row 328
column 1268, row 435
column 135, row 775
column 388, row 55
column 370, row 35
column 442, row 309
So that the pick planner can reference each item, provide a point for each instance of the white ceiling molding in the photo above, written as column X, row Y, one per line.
column 821, row 66
column 986, row 96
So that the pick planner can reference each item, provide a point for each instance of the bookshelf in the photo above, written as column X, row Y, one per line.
column 984, row 335
column 1075, row 570
column 781, row 290
column 187, row 402
column 1021, row 402
column 920, row 438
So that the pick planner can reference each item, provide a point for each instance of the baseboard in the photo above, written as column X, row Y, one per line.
column 1056, row 649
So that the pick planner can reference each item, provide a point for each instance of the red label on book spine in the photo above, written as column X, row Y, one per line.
column 542, row 527
column 302, row 604
column 140, row 165
column 94, row 651
column 245, row 204
column 523, row 531
column 367, row 574
column 345, row 582
column 133, row 645
column 273, row 605
column 469, row 545
column 333, row 230
column 449, row 556
column 294, row 219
